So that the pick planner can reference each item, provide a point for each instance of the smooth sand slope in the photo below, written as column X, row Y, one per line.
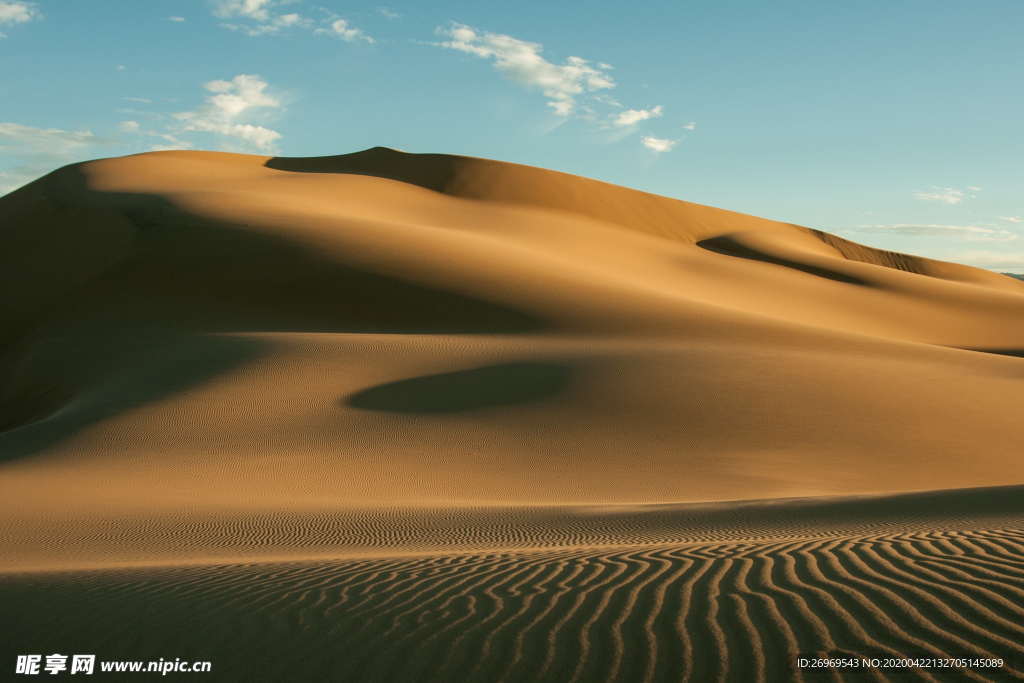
column 494, row 417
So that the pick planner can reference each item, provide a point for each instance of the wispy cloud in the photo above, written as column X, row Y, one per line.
column 264, row 17
column 994, row 260
column 974, row 233
column 658, row 145
column 572, row 86
column 947, row 195
column 176, row 20
column 43, row 139
column 522, row 62
column 1011, row 219
column 339, row 28
column 170, row 141
column 167, row 140
column 275, row 25
column 231, row 111
column 692, row 125
column 388, row 13
column 631, row 117
column 36, row 151
column 226, row 110
column 605, row 98
column 257, row 10
column 12, row 13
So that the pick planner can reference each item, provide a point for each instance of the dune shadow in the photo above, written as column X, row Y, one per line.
column 220, row 274
column 867, row 510
column 121, row 377
column 729, row 246
column 465, row 390
column 430, row 171
column 1015, row 353
column 243, row 280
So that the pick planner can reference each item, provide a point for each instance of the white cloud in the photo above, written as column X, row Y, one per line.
column 262, row 17
column 275, row 25
column 231, row 111
column 259, row 14
column 292, row 19
column 692, row 125
column 388, row 13
column 225, row 110
column 340, row 28
column 1011, row 219
column 17, row 13
column 521, row 61
column 633, row 116
column 143, row 100
column 258, row 10
column 947, row 195
column 974, row 233
column 995, row 260
column 176, row 20
column 121, row 67
column 658, row 145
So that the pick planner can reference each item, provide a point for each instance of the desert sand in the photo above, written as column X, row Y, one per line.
column 391, row 416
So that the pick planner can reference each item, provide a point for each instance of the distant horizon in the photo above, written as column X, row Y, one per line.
column 896, row 127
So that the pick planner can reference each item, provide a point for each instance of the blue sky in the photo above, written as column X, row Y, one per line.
column 896, row 123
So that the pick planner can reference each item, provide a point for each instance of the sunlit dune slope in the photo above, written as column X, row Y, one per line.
column 241, row 332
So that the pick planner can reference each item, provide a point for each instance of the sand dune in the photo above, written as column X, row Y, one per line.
column 498, row 417
column 197, row 312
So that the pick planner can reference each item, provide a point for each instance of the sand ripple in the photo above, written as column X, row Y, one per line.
column 726, row 610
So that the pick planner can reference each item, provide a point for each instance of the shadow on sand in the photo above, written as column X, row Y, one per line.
column 464, row 390
column 731, row 247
